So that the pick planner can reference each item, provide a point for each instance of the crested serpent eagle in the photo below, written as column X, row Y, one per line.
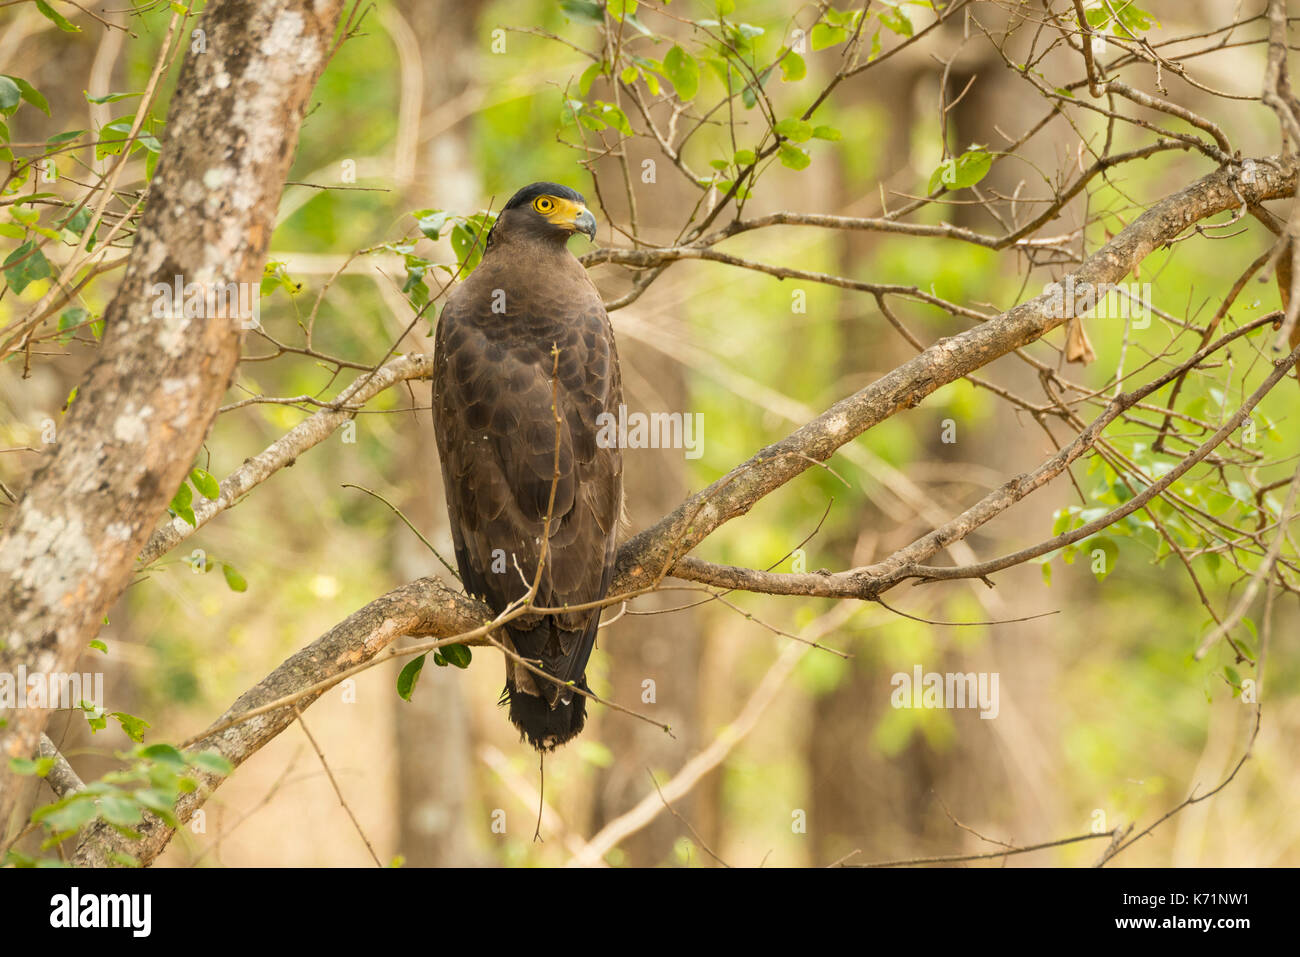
column 527, row 326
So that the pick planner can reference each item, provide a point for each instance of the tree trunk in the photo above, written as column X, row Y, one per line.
column 147, row 403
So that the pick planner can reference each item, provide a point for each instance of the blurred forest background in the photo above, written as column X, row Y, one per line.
column 1104, row 715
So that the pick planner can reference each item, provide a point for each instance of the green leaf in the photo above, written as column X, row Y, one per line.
column 463, row 243
column 95, row 719
column 99, row 645
column 430, row 221
column 416, row 288
column 1134, row 19
column 827, row 133
column 583, row 11
column 59, row 138
column 10, row 95
column 207, row 485
column 25, row 265
column 120, row 811
column 842, row 18
column 108, row 97
column 824, row 35
column 612, row 114
column 133, row 727
column 211, row 761
column 24, row 766
column 112, row 138
column 31, row 94
column 1110, row 550
column 57, row 19
column 618, row 9
column 180, row 504
column 793, row 67
column 235, row 580
column 683, row 73
column 795, row 129
column 409, row 675
column 745, row 158
column 163, row 754
column 160, row 802
column 275, row 275
column 875, row 46
column 589, row 76
column 45, row 810
column 944, row 172
column 794, row 157
column 77, row 223
column 458, row 655
column 1128, row 16
column 81, row 810
column 897, row 21
column 749, row 95
column 966, row 170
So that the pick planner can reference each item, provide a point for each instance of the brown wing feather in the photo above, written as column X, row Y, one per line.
column 497, row 438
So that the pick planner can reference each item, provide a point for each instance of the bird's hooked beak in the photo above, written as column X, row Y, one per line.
column 585, row 223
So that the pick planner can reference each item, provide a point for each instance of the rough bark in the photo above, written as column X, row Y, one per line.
column 147, row 403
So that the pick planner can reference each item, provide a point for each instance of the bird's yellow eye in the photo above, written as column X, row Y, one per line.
column 543, row 204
